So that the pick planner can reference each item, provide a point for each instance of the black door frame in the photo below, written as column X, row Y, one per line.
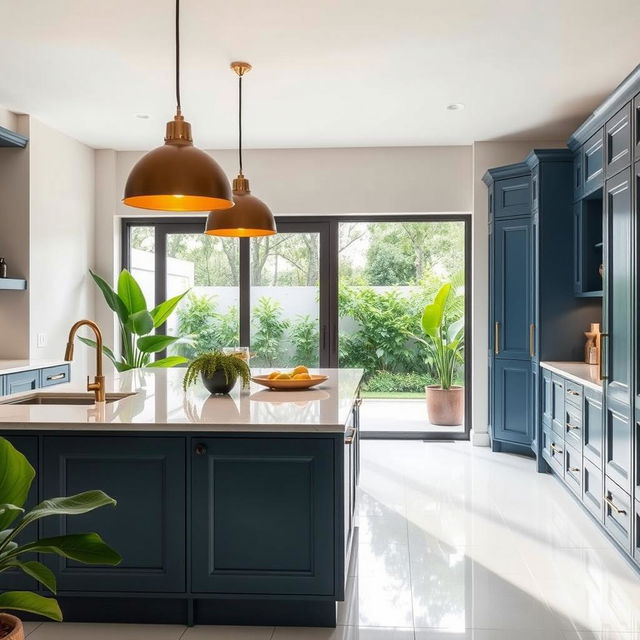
column 328, row 228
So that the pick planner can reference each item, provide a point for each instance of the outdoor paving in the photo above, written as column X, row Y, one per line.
column 398, row 415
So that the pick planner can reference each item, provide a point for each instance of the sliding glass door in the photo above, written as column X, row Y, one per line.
column 332, row 292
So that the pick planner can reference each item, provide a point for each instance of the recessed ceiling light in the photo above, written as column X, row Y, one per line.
column 456, row 106
column 143, row 116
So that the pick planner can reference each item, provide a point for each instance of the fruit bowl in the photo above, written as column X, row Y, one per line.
column 290, row 384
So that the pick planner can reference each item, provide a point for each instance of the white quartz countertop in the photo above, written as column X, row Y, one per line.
column 158, row 403
column 586, row 374
column 15, row 366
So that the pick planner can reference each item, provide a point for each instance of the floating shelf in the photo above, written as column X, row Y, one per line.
column 13, row 284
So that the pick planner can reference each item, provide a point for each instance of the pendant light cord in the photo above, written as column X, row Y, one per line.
column 178, row 105
column 240, row 122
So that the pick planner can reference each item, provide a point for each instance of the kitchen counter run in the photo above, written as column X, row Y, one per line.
column 159, row 404
column 586, row 374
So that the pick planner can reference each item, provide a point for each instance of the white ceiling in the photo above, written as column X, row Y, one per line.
column 327, row 73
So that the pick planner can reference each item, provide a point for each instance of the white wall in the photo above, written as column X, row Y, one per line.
column 61, row 240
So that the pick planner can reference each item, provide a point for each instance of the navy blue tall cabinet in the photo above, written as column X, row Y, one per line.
column 531, row 289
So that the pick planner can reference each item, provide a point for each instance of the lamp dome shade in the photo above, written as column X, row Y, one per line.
column 250, row 217
column 178, row 177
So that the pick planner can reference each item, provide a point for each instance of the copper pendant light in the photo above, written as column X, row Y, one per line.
column 177, row 176
column 250, row 217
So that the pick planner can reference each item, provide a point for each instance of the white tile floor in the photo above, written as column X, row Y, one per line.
column 455, row 543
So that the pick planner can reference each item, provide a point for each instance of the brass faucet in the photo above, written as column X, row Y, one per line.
column 97, row 386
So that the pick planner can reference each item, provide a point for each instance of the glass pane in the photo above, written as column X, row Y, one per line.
column 388, row 272
column 285, row 272
column 208, row 316
column 142, row 250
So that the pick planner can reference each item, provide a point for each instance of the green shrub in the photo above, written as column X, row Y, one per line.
column 269, row 330
column 388, row 382
column 304, row 335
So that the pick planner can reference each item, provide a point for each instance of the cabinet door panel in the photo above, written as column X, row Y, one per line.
column 635, row 115
column 557, row 408
column 512, row 197
column 592, row 490
column 617, row 312
column 547, row 398
column 28, row 446
column 512, row 402
column 512, row 288
column 636, row 546
column 147, row 478
column 22, row 381
column 593, row 163
column 618, row 445
column 618, row 141
column 617, row 513
column 593, row 427
column 573, row 469
column 262, row 514
column 578, row 177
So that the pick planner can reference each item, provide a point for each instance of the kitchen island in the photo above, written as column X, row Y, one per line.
column 231, row 510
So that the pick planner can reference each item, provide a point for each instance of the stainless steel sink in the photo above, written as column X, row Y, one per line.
column 65, row 398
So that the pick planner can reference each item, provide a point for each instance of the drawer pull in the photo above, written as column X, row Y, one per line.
column 613, row 506
column 532, row 340
column 573, row 393
column 603, row 376
column 556, row 449
column 200, row 449
column 57, row 376
column 574, row 469
column 496, row 339
column 572, row 426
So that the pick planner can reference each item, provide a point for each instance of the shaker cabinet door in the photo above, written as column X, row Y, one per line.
column 618, row 141
column 512, row 402
column 512, row 197
column 512, row 284
column 147, row 478
column 262, row 514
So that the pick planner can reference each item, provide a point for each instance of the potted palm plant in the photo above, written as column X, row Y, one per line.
column 16, row 477
column 443, row 328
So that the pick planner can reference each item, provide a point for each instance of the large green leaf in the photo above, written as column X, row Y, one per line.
column 92, row 343
column 141, row 322
column 112, row 299
column 153, row 344
column 432, row 319
column 31, row 602
column 443, row 295
column 68, row 506
column 170, row 361
column 131, row 293
column 16, row 476
column 88, row 548
column 165, row 309
column 10, row 508
column 36, row 570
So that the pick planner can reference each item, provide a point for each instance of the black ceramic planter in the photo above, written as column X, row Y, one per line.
column 217, row 384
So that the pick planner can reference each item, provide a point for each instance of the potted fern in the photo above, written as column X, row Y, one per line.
column 219, row 372
column 16, row 478
column 444, row 340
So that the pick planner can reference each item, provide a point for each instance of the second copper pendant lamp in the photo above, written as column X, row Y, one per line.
column 250, row 217
column 177, row 176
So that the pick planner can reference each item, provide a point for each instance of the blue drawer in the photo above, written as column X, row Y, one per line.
column 56, row 375
column 2, row 391
column 22, row 381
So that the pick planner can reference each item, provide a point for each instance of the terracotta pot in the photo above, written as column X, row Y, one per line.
column 17, row 631
column 217, row 383
column 445, row 406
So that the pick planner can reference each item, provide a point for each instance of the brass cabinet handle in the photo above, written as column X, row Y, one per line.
column 572, row 426
column 602, row 337
column 496, row 339
column 532, row 340
column 556, row 449
column 613, row 506
column 573, row 393
column 574, row 469
column 57, row 376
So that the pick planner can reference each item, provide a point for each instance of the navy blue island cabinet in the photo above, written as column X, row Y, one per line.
column 214, row 528
column 533, row 310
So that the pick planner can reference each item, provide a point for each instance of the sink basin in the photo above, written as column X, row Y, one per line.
column 65, row 398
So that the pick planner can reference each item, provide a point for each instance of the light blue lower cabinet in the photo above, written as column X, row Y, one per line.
column 33, row 379
column 618, row 518
column 592, row 490
column 22, row 381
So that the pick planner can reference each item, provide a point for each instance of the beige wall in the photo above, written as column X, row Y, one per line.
column 47, row 236
column 14, row 244
column 61, row 240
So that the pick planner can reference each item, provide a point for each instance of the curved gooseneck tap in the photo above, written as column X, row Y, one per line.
column 97, row 386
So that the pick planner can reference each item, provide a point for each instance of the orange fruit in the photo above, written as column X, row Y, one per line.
column 274, row 374
column 300, row 369
column 283, row 376
column 302, row 376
